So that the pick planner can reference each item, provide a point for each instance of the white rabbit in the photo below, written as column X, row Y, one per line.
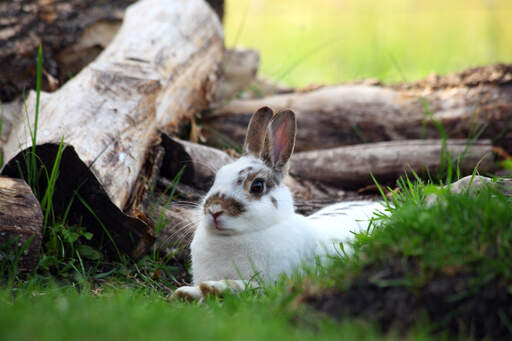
column 248, row 227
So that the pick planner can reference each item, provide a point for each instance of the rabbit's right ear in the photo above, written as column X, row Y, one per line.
column 256, row 131
column 280, row 141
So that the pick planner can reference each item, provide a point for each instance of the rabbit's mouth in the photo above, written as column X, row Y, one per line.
column 218, row 225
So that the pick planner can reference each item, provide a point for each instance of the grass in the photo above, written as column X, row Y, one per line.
column 449, row 262
column 460, row 245
column 329, row 41
column 454, row 254
column 64, row 314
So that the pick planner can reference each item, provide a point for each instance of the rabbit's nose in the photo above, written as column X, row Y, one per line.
column 215, row 215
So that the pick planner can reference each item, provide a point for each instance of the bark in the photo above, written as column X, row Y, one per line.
column 199, row 163
column 463, row 104
column 72, row 32
column 21, row 223
column 239, row 69
column 57, row 25
column 158, row 71
column 351, row 166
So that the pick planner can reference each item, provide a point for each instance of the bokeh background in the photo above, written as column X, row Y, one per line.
column 304, row 42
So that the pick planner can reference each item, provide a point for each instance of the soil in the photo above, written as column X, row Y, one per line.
column 449, row 302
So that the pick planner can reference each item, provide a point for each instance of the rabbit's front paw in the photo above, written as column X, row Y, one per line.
column 217, row 288
column 214, row 288
column 187, row 293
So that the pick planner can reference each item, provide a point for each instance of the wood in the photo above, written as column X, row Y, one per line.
column 239, row 69
column 199, row 163
column 57, row 25
column 158, row 71
column 73, row 33
column 472, row 184
column 350, row 167
column 21, row 220
column 350, row 114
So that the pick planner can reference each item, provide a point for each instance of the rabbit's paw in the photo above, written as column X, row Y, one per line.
column 187, row 293
column 218, row 288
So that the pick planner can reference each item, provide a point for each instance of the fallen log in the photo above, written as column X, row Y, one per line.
column 466, row 104
column 351, row 166
column 158, row 71
column 199, row 163
column 21, row 223
column 73, row 33
column 471, row 184
column 239, row 69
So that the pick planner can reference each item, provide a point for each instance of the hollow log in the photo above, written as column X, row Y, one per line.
column 160, row 69
column 351, row 166
column 476, row 101
column 21, row 223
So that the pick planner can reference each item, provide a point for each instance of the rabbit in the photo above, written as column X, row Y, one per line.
column 248, row 227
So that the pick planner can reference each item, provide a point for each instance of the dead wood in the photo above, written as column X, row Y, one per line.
column 21, row 223
column 350, row 166
column 475, row 101
column 158, row 71
column 239, row 69
column 471, row 184
column 58, row 26
column 73, row 33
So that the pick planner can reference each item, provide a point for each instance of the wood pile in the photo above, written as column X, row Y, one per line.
column 161, row 98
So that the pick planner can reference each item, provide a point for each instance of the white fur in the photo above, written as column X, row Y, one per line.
column 258, row 240
column 264, row 241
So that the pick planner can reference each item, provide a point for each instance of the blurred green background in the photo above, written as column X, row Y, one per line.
column 330, row 41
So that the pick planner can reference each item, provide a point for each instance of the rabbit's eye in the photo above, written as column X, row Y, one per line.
column 257, row 186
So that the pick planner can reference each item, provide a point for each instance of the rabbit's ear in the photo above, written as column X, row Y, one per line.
column 256, row 131
column 280, row 140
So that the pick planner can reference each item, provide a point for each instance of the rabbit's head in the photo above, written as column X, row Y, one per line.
column 248, row 195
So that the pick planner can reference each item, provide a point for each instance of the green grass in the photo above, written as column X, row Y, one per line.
column 416, row 247
column 77, row 294
column 330, row 41
column 64, row 314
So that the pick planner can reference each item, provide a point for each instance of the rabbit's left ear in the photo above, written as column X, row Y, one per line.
column 280, row 140
column 256, row 131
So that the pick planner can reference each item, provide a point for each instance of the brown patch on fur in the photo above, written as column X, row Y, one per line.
column 274, row 201
column 270, row 179
column 229, row 205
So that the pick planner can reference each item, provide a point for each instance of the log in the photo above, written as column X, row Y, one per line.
column 21, row 223
column 334, row 116
column 9, row 114
column 471, row 184
column 199, row 163
column 350, row 166
column 58, row 26
column 73, row 33
column 158, row 71
column 239, row 69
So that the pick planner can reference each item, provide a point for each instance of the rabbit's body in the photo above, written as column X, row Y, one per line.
column 248, row 227
column 339, row 222
column 264, row 255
